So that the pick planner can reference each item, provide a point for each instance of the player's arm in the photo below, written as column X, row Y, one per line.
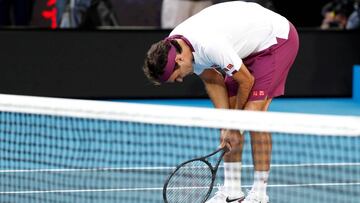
column 215, row 87
column 222, row 54
column 246, row 81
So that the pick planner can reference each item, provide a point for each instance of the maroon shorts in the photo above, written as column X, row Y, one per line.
column 270, row 68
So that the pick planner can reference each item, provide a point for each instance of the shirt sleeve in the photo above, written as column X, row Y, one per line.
column 223, row 56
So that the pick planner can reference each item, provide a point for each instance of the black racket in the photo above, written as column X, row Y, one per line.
column 193, row 180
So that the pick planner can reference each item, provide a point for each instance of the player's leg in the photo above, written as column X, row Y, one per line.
column 231, row 190
column 270, row 72
column 261, row 146
column 260, row 141
column 232, row 161
column 260, row 66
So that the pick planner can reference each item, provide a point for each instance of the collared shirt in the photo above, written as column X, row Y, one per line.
column 224, row 34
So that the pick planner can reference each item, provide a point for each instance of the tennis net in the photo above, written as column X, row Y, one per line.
column 64, row 150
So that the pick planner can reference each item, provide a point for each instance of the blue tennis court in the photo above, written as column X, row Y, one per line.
column 314, row 167
column 69, row 159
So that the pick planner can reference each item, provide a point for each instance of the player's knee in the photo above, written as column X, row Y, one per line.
column 258, row 105
column 235, row 139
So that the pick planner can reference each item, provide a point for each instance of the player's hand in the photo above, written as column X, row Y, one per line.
column 230, row 139
column 225, row 139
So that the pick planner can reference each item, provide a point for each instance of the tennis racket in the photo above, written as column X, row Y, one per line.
column 193, row 180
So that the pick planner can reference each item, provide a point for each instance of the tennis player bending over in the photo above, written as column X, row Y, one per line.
column 255, row 47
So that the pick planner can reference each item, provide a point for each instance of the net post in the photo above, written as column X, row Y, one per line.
column 356, row 83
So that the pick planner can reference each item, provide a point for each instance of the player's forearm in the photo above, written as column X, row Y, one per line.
column 243, row 94
column 245, row 81
column 218, row 96
column 215, row 87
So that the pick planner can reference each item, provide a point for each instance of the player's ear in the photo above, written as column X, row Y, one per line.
column 179, row 58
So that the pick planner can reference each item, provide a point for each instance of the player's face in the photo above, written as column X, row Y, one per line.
column 180, row 73
column 185, row 68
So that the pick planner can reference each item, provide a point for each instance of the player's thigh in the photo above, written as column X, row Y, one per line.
column 258, row 105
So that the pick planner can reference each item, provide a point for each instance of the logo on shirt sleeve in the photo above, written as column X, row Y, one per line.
column 228, row 67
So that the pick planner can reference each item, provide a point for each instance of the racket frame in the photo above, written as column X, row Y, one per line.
column 204, row 159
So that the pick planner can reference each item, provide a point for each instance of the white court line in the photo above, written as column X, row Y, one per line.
column 315, row 184
column 154, row 189
column 84, row 169
column 314, row 164
column 166, row 168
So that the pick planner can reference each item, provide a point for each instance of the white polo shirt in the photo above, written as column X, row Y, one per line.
column 225, row 33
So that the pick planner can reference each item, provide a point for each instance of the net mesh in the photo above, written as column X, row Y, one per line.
column 58, row 150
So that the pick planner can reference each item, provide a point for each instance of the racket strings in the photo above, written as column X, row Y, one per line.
column 190, row 183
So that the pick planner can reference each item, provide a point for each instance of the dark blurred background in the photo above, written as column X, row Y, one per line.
column 43, row 13
column 96, row 48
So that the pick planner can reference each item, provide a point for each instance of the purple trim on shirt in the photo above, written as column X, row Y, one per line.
column 183, row 38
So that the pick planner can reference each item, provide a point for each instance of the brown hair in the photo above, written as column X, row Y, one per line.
column 156, row 59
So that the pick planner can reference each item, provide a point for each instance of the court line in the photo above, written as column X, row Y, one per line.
column 165, row 168
column 154, row 189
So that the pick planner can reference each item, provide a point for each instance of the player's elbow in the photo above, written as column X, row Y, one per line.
column 212, row 76
column 244, row 77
